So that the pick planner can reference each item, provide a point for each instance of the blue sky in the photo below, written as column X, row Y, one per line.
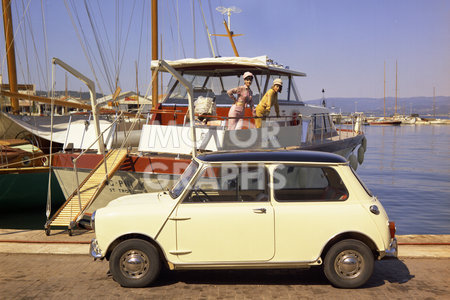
column 341, row 45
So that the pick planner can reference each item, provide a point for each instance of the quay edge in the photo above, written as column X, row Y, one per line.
column 36, row 242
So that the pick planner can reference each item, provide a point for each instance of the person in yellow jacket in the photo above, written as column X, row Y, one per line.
column 270, row 99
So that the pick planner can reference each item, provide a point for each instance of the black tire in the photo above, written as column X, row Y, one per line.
column 134, row 263
column 348, row 264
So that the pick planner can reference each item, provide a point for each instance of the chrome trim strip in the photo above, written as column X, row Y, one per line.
column 250, row 265
column 179, row 252
column 179, row 218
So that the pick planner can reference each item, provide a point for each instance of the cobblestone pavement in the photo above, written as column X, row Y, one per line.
column 49, row 276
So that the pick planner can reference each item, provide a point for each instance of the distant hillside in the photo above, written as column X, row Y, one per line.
column 374, row 106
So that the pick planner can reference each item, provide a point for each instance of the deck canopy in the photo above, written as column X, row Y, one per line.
column 229, row 66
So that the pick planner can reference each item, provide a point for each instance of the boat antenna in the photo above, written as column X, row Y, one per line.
column 230, row 34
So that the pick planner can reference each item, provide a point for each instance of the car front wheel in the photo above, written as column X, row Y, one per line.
column 134, row 263
column 349, row 264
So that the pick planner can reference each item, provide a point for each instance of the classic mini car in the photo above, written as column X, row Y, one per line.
column 241, row 210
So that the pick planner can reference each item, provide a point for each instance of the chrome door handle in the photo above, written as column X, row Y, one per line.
column 259, row 210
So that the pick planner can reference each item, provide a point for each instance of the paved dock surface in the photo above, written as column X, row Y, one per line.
column 48, row 276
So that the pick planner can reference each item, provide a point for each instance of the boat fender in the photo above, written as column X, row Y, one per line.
column 44, row 161
column 353, row 161
column 364, row 143
column 361, row 154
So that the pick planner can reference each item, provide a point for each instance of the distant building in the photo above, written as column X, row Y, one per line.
column 25, row 105
column 126, row 101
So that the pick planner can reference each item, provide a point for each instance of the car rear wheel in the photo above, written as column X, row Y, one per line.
column 349, row 264
column 134, row 263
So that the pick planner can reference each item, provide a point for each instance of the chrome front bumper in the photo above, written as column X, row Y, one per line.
column 94, row 250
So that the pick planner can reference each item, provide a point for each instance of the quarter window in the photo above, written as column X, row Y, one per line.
column 298, row 183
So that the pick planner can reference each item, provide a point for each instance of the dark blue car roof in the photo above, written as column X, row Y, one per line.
column 268, row 156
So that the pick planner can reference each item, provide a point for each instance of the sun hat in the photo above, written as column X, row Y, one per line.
column 248, row 74
column 278, row 81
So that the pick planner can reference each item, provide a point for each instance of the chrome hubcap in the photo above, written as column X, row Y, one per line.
column 134, row 264
column 349, row 264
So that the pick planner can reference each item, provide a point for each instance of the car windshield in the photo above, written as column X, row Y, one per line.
column 184, row 179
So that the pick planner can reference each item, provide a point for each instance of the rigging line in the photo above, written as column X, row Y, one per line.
column 89, row 52
column 208, row 36
column 179, row 30
column 83, row 46
column 107, row 74
column 118, row 33
column 140, row 33
column 108, row 41
column 109, row 60
column 108, row 63
column 44, row 29
column 171, row 32
column 38, row 60
column 193, row 28
column 25, row 47
column 126, row 41
column 15, row 33
column 213, row 27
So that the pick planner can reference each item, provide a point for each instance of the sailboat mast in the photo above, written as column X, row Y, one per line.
column 384, row 92
column 396, row 71
column 434, row 101
column 10, row 53
column 154, row 51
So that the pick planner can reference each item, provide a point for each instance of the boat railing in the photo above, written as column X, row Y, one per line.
column 75, row 160
column 208, row 120
column 4, row 162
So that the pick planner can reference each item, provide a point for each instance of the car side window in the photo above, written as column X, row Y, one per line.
column 230, row 183
column 300, row 183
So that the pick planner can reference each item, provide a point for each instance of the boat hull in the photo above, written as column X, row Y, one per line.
column 26, row 190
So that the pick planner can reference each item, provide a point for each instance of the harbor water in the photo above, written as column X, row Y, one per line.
column 408, row 169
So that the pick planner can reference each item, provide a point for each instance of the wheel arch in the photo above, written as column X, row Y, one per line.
column 136, row 236
column 350, row 236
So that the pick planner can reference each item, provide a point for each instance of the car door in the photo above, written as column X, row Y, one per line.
column 227, row 217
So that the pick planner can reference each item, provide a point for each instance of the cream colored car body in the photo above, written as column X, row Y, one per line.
column 227, row 235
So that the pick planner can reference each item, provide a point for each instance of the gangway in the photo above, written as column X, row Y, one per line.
column 69, row 213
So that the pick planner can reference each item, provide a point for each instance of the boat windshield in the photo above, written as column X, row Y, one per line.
column 184, row 180
column 217, row 85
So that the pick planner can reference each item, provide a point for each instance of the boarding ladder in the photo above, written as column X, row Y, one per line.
column 68, row 214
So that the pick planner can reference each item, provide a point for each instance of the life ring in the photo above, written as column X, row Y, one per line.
column 353, row 161
column 361, row 154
